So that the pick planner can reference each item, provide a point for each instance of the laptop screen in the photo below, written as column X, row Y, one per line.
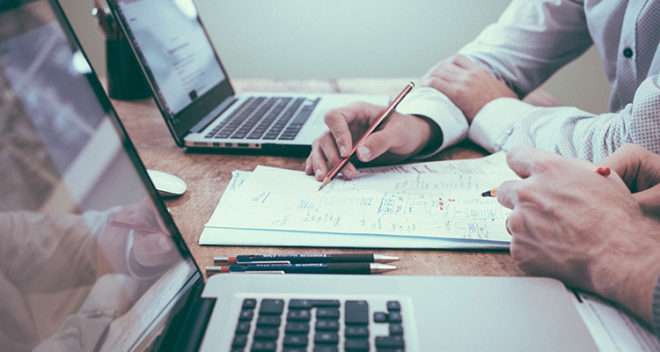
column 177, row 56
column 88, row 259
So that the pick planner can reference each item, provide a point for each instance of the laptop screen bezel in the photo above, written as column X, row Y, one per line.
column 196, row 278
column 194, row 112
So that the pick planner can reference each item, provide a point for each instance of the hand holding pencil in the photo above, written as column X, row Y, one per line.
column 397, row 138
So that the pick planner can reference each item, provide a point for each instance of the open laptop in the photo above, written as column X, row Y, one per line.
column 194, row 92
column 91, row 260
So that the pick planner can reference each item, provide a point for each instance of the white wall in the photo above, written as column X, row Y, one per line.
column 306, row 39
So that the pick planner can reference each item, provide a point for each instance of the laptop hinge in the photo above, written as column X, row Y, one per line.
column 186, row 330
column 210, row 117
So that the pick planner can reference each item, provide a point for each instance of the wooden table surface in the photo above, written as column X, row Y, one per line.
column 207, row 176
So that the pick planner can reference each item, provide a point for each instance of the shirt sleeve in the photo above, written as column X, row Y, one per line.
column 435, row 106
column 530, row 41
column 505, row 123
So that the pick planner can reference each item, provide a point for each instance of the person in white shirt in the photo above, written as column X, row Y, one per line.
column 476, row 94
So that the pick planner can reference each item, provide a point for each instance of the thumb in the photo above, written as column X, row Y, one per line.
column 375, row 145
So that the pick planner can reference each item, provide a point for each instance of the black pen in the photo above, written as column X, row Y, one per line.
column 304, row 258
column 331, row 268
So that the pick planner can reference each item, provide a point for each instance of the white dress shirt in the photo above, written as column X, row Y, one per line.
column 531, row 41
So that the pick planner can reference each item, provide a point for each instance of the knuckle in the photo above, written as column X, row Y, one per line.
column 331, row 116
column 526, row 194
column 516, row 223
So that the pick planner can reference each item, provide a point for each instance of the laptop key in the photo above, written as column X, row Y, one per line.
column 325, row 303
column 393, row 306
column 396, row 329
column 263, row 321
column 356, row 345
column 327, row 313
column 389, row 342
column 380, row 317
column 357, row 312
column 264, row 346
column 295, row 340
column 249, row 303
column 394, row 317
column 356, row 331
column 298, row 315
column 246, row 315
column 271, row 307
column 243, row 327
column 266, row 334
column 300, row 304
column 297, row 328
column 239, row 341
column 325, row 349
column 327, row 325
column 331, row 338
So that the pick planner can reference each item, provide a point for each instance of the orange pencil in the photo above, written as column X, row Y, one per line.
column 390, row 109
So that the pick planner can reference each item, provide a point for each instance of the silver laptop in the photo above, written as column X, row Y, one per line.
column 92, row 261
column 195, row 95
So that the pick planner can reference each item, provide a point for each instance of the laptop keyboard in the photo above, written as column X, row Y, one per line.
column 318, row 325
column 269, row 118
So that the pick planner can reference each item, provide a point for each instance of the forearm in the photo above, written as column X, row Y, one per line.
column 531, row 41
column 46, row 244
column 505, row 123
column 629, row 274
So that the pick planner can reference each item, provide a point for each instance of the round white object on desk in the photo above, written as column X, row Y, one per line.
column 167, row 185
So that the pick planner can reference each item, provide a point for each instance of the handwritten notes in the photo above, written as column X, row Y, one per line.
column 435, row 200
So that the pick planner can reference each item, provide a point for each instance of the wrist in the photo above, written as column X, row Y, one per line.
column 628, row 272
column 430, row 133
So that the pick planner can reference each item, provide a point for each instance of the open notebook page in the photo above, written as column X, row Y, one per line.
column 435, row 200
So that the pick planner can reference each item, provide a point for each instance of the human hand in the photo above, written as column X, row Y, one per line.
column 398, row 138
column 467, row 84
column 135, row 241
column 640, row 170
column 587, row 230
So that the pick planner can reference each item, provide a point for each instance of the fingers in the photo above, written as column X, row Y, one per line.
column 319, row 167
column 324, row 156
column 340, row 121
column 463, row 62
column 507, row 193
column 649, row 200
column 337, row 122
column 444, row 86
column 525, row 161
column 377, row 144
column 638, row 167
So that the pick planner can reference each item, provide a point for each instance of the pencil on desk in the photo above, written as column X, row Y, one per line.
column 390, row 109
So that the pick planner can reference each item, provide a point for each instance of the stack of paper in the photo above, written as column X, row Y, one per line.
column 424, row 205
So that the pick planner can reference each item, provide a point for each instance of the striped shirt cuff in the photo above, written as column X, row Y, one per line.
column 655, row 310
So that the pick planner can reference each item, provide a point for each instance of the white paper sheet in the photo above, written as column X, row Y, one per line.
column 438, row 200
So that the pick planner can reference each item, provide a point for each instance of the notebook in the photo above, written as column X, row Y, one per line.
column 422, row 205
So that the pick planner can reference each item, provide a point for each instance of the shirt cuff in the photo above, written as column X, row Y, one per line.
column 430, row 103
column 496, row 120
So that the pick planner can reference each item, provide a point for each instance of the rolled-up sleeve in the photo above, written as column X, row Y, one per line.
column 505, row 123
column 531, row 41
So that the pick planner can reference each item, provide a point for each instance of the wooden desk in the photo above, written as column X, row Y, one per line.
column 207, row 176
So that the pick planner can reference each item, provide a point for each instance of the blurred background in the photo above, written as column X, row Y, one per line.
column 320, row 39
